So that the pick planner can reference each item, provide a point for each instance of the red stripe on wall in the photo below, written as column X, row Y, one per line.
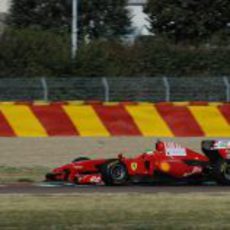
column 117, row 120
column 225, row 110
column 180, row 120
column 5, row 128
column 54, row 120
column 201, row 103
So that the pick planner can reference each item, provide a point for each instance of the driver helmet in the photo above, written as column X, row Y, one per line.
column 160, row 146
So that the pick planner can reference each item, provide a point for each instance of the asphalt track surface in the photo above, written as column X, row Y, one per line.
column 39, row 189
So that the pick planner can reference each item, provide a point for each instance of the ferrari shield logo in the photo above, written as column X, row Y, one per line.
column 134, row 166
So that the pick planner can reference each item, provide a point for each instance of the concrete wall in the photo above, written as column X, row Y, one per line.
column 122, row 119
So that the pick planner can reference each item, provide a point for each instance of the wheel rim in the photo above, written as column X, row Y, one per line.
column 226, row 170
column 118, row 172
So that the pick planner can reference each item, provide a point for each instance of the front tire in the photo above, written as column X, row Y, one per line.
column 222, row 172
column 114, row 173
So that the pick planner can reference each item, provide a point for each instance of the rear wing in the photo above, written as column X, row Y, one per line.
column 212, row 145
column 214, row 149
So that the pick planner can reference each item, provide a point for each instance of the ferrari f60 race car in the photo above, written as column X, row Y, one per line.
column 168, row 162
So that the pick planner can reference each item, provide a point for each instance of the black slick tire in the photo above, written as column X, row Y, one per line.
column 114, row 173
column 221, row 172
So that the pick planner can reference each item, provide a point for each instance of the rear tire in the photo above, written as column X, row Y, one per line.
column 114, row 173
column 222, row 172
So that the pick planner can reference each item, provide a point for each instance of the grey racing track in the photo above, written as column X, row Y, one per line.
column 22, row 188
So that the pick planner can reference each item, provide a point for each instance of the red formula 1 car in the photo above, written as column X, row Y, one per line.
column 168, row 162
